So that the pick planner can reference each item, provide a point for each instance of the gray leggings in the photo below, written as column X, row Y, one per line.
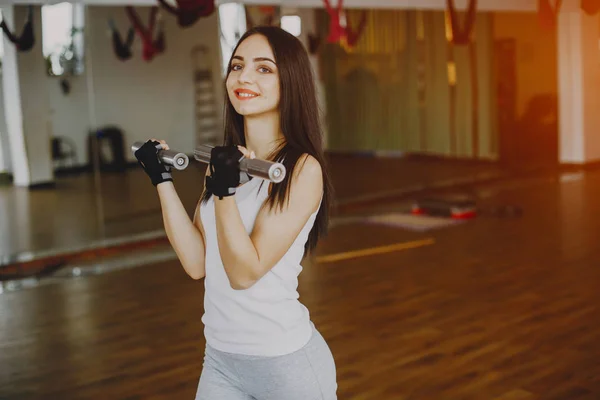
column 307, row 374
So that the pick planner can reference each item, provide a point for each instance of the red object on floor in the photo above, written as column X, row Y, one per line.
column 455, row 209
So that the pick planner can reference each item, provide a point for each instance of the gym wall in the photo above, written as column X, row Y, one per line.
column 536, row 54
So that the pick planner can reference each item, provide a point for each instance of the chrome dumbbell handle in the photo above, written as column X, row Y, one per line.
column 268, row 170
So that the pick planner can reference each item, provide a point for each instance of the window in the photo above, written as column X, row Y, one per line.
column 62, row 38
column 292, row 24
column 232, row 24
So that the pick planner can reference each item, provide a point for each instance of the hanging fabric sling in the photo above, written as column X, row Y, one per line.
column 352, row 36
column 26, row 40
column 462, row 36
column 548, row 15
column 121, row 48
column 189, row 11
column 342, row 32
column 336, row 31
column 151, row 47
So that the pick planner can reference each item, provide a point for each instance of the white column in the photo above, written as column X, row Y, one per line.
column 26, row 104
column 578, row 87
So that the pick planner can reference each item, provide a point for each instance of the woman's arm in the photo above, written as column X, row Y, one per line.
column 247, row 258
column 184, row 235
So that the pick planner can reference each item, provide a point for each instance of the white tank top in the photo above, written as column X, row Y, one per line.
column 267, row 319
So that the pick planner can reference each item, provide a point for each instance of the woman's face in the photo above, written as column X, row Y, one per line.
column 253, row 80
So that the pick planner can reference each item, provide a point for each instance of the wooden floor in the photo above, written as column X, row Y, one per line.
column 495, row 309
column 78, row 213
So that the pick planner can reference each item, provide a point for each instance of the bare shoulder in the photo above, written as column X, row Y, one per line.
column 308, row 168
column 307, row 182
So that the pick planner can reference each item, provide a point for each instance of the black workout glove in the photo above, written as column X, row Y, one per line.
column 147, row 157
column 224, row 171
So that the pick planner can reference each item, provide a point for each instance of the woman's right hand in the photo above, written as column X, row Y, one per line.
column 147, row 157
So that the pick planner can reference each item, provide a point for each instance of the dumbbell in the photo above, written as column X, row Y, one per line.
column 268, row 170
column 175, row 159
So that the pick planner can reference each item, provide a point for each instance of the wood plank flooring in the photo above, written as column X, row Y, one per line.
column 496, row 309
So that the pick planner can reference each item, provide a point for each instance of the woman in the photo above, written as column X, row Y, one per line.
column 248, row 237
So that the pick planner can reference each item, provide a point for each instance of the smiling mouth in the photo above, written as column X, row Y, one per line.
column 244, row 94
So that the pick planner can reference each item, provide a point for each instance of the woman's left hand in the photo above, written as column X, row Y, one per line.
column 246, row 152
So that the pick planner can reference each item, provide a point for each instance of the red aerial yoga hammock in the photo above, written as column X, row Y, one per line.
column 121, row 48
column 591, row 7
column 26, row 41
column 189, row 11
column 462, row 36
column 344, row 35
column 352, row 36
column 336, row 31
column 151, row 46
column 547, row 15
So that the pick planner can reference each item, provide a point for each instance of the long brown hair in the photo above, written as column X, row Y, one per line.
column 299, row 119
